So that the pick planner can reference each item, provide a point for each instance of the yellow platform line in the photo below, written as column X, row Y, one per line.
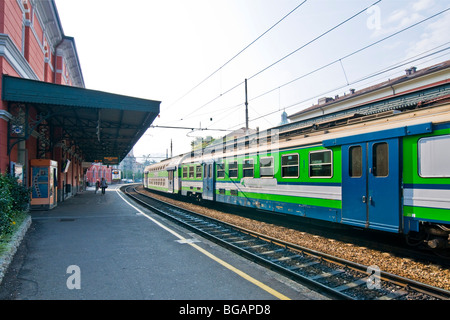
column 210, row 255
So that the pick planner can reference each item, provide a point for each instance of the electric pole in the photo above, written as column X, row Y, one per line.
column 246, row 108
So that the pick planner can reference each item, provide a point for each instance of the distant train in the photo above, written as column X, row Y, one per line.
column 389, row 172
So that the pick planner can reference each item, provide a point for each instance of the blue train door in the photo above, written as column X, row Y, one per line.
column 208, row 181
column 371, row 184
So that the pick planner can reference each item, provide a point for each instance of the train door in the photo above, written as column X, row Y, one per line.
column 170, row 180
column 371, row 184
column 208, row 181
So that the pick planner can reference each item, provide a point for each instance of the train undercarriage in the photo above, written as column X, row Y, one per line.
column 435, row 236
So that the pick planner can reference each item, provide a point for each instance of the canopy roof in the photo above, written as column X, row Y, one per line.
column 101, row 124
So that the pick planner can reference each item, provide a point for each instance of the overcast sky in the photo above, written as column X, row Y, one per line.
column 164, row 50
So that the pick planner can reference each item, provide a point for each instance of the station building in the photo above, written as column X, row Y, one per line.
column 97, row 171
column 52, row 128
column 415, row 87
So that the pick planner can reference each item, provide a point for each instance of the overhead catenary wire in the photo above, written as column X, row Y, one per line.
column 351, row 54
column 324, row 66
column 390, row 68
column 237, row 54
column 314, row 40
column 286, row 56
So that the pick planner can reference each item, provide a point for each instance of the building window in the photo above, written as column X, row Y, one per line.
column 266, row 167
column 289, row 166
column 434, row 154
column 320, row 164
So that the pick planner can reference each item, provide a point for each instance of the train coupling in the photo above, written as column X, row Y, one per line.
column 439, row 237
column 438, row 243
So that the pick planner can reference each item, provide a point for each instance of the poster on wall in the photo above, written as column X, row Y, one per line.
column 39, row 180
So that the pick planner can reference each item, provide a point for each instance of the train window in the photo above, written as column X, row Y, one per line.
column 266, row 167
column 380, row 159
column 355, row 163
column 185, row 172
column 248, row 168
column 320, row 164
column 191, row 172
column 198, row 172
column 434, row 153
column 220, row 168
column 233, row 169
column 289, row 166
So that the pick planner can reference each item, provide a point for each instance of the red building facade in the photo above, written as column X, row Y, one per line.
column 47, row 116
column 33, row 46
column 97, row 171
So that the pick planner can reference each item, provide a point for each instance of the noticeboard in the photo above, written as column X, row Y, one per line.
column 110, row 160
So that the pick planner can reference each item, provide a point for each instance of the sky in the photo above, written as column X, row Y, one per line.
column 194, row 56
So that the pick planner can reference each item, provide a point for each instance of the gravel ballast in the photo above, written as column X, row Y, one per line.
column 431, row 274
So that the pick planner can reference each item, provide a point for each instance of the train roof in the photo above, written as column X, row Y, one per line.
column 433, row 112
column 427, row 100
column 399, row 123
column 166, row 164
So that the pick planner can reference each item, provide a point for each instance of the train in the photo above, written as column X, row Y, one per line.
column 387, row 171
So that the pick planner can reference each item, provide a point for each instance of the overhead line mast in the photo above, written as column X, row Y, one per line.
column 246, row 108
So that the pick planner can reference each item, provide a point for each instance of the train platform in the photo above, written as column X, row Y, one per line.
column 104, row 247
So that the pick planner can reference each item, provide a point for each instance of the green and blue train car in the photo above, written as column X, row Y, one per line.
column 163, row 176
column 390, row 174
column 192, row 179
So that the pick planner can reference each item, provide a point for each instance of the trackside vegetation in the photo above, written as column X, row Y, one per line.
column 14, row 204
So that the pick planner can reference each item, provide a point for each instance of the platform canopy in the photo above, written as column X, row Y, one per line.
column 102, row 125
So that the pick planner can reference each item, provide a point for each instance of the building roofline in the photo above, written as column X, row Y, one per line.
column 57, row 38
column 411, row 73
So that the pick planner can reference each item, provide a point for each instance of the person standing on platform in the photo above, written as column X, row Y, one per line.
column 97, row 186
column 103, row 185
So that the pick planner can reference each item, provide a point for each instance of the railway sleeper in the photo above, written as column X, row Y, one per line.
column 232, row 235
column 287, row 258
column 351, row 285
column 394, row 295
column 326, row 274
column 209, row 227
column 303, row 265
column 271, row 252
column 240, row 241
column 257, row 246
column 233, row 240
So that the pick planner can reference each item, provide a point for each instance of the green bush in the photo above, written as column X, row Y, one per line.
column 14, row 200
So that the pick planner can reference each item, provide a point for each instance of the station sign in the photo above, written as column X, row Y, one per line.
column 110, row 160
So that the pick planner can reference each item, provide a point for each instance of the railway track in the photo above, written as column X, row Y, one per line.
column 331, row 276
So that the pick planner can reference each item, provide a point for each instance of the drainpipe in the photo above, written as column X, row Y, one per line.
column 393, row 89
column 56, row 58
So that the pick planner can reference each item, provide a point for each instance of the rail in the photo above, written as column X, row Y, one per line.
column 332, row 276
